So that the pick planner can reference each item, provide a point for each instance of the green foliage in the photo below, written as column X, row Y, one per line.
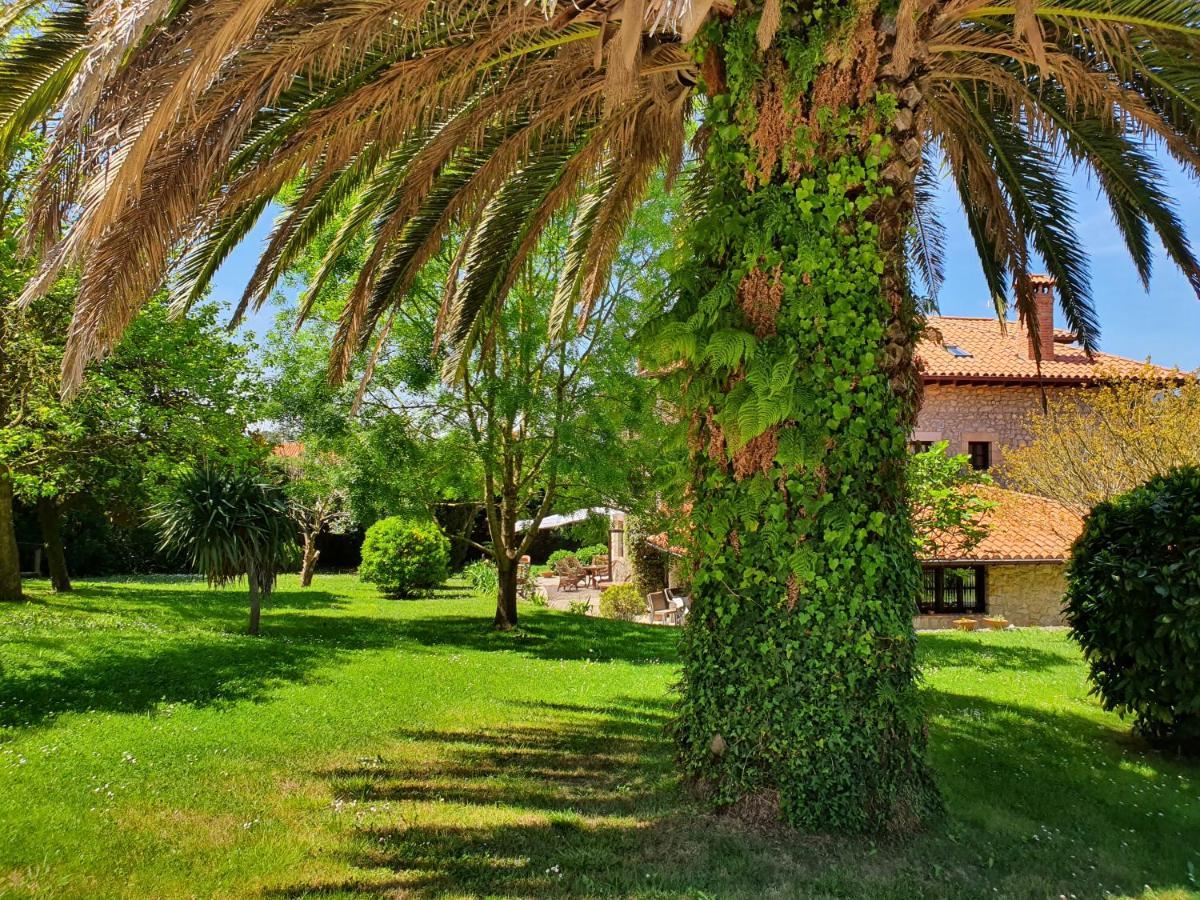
column 648, row 563
column 798, row 684
column 402, row 556
column 945, row 502
column 229, row 523
column 586, row 554
column 482, row 577
column 1133, row 604
column 579, row 607
column 622, row 601
column 558, row 556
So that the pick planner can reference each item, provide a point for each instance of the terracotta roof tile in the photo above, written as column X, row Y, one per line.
column 288, row 449
column 996, row 353
column 1021, row 527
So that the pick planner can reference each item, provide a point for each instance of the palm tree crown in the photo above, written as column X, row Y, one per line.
column 410, row 121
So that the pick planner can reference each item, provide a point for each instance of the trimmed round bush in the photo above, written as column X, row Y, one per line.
column 622, row 601
column 401, row 556
column 1133, row 604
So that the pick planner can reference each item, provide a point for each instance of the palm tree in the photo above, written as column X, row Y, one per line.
column 230, row 524
column 791, row 322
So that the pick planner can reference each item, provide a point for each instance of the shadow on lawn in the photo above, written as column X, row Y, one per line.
column 550, row 635
column 131, row 661
column 939, row 650
column 138, row 659
column 578, row 800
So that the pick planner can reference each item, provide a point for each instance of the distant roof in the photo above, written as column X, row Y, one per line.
column 288, row 449
column 558, row 521
column 1020, row 528
column 957, row 348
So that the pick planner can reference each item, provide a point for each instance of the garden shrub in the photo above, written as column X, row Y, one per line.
column 622, row 601
column 648, row 564
column 579, row 607
column 558, row 556
column 1133, row 604
column 404, row 555
column 586, row 554
column 482, row 577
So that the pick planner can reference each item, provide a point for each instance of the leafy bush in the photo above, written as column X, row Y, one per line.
column 1133, row 603
column 558, row 556
column 579, row 607
column 647, row 562
column 587, row 554
column 402, row 555
column 622, row 601
column 483, row 578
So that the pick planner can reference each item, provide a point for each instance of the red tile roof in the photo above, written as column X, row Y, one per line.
column 1002, row 354
column 288, row 450
column 1020, row 528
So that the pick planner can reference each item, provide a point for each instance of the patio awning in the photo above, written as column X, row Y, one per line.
column 563, row 519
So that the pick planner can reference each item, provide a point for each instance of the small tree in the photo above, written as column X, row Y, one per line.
column 1133, row 604
column 230, row 523
column 318, row 502
column 1119, row 435
column 947, row 510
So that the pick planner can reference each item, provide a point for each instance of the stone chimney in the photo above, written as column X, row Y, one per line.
column 1043, row 297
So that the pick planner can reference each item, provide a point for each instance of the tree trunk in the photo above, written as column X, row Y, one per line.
column 506, row 593
column 799, row 658
column 308, row 563
column 10, row 560
column 49, row 513
column 255, row 604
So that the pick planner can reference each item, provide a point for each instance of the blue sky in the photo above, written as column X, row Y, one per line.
column 1163, row 323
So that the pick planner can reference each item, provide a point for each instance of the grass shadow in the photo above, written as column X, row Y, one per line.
column 551, row 635
column 578, row 800
column 108, row 650
column 941, row 650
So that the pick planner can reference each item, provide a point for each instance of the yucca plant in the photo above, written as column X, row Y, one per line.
column 792, row 323
column 230, row 524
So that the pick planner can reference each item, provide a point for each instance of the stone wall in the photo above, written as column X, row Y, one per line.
column 1027, row 593
column 992, row 412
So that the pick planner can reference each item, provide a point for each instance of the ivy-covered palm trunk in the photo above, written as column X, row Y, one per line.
column 799, row 698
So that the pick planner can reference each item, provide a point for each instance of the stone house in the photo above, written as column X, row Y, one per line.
column 981, row 384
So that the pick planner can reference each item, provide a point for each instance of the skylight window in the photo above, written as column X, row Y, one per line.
column 955, row 350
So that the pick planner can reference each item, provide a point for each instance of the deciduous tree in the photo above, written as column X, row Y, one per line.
column 1092, row 446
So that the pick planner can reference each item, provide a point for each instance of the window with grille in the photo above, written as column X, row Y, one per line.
column 981, row 455
column 954, row 589
column 920, row 446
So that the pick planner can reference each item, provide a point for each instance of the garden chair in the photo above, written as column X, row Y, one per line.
column 570, row 573
column 661, row 609
column 681, row 603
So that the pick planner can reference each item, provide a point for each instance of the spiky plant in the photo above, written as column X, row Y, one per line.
column 793, row 325
column 230, row 524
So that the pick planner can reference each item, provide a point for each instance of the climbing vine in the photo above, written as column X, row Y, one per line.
column 792, row 332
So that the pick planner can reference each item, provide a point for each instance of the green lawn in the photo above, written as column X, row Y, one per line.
column 374, row 747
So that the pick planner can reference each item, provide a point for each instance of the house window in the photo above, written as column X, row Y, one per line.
column 981, row 455
column 955, row 350
column 948, row 589
column 920, row 446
